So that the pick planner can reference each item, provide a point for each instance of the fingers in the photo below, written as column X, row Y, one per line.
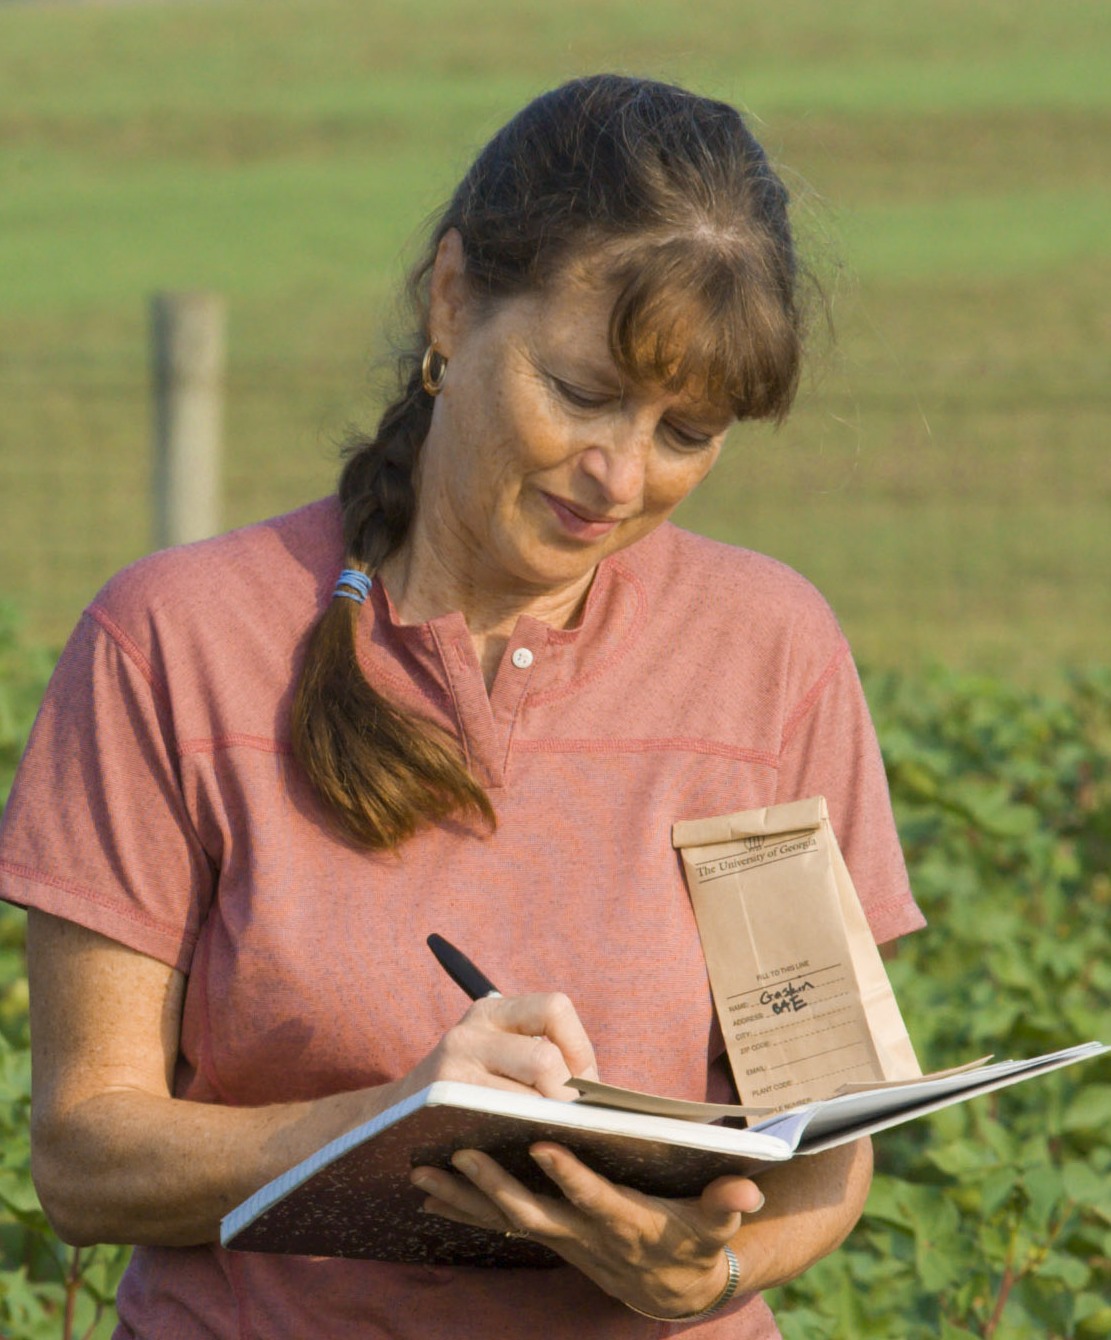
column 532, row 1063
column 589, row 1193
column 711, row 1220
column 529, row 1042
column 486, row 1196
column 553, row 1018
column 730, row 1196
column 662, row 1256
column 458, row 1199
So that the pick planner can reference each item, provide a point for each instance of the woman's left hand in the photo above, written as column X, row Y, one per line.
column 662, row 1256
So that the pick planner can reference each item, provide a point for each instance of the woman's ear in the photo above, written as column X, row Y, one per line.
column 449, row 301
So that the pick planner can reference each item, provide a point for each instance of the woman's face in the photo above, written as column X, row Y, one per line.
column 542, row 457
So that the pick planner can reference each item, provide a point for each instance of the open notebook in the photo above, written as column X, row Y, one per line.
column 353, row 1197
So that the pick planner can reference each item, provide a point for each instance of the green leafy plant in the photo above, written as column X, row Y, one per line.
column 47, row 1289
column 992, row 1219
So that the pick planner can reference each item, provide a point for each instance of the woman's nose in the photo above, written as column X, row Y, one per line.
column 619, row 465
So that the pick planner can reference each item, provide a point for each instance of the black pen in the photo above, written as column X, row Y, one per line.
column 461, row 970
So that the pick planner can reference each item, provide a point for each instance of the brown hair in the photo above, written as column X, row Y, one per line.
column 681, row 214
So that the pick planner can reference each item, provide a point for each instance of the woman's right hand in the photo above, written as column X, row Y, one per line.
column 117, row 1158
column 529, row 1044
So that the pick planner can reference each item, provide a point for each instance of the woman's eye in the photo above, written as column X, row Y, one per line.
column 575, row 395
column 690, row 439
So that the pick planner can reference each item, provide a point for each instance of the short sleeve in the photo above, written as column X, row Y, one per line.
column 829, row 748
column 96, row 830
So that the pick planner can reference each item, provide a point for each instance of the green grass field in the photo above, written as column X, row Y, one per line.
column 944, row 479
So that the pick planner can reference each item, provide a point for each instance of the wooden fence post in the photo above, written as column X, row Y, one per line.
column 187, row 357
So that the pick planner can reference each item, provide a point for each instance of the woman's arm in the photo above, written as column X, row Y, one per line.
column 811, row 1206
column 116, row 1158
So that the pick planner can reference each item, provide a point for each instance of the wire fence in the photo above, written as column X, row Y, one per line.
column 77, row 465
column 953, row 515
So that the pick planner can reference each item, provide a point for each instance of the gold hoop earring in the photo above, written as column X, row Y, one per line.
column 433, row 382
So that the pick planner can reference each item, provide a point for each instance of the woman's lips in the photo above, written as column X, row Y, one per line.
column 580, row 522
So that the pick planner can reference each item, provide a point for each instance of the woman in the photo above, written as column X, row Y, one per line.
column 254, row 789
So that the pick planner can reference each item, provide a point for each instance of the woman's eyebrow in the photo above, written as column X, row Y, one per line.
column 583, row 370
column 573, row 366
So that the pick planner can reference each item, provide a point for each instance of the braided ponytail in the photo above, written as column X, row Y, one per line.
column 381, row 772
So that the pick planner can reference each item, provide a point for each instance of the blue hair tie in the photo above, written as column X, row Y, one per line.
column 352, row 577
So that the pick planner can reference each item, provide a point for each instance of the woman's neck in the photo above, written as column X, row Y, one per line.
column 423, row 586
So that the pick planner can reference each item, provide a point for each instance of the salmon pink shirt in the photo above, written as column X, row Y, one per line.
column 159, row 804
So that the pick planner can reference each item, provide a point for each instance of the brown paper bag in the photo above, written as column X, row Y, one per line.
column 801, row 992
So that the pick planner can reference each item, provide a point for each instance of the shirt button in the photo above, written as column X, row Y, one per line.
column 522, row 658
